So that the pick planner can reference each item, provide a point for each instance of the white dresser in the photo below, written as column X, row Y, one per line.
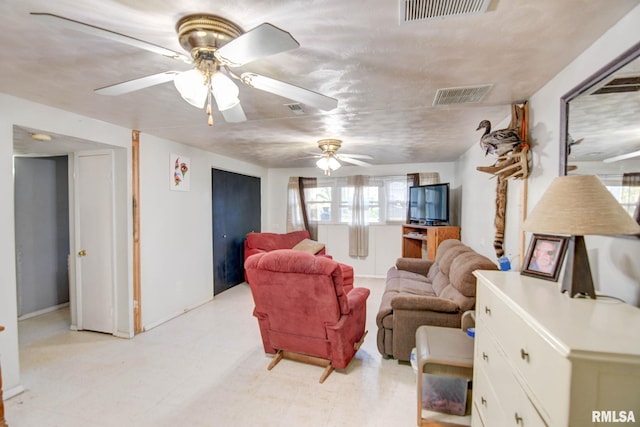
column 544, row 359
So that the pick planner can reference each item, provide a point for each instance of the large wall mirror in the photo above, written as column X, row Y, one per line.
column 600, row 129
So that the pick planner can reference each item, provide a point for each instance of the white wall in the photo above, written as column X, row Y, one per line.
column 385, row 243
column 614, row 259
column 176, row 228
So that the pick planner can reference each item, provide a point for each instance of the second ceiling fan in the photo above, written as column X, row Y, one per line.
column 329, row 160
column 215, row 45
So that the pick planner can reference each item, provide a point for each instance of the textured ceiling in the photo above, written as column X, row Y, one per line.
column 384, row 74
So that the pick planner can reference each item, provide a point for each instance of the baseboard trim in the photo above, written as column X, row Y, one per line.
column 43, row 311
column 12, row 392
column 370, row 276
column 152, row 325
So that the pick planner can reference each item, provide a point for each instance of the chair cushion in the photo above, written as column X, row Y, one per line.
column 308, row 245
column 272, row 241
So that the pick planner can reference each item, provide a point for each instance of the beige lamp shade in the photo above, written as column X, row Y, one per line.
column 579, row 205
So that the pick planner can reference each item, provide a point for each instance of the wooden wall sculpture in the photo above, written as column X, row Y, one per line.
column 511, row 165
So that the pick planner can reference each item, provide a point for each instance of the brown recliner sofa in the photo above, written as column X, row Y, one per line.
column 422, row 292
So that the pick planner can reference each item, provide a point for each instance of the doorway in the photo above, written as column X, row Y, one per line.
column 72, row 149
column 41, row 207
column 236, row 209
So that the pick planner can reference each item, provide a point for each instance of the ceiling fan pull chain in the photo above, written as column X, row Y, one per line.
column 210, row 118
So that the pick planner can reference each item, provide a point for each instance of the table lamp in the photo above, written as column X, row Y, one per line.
column 579, row 205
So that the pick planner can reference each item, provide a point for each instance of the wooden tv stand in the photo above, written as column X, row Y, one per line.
column 414, row 236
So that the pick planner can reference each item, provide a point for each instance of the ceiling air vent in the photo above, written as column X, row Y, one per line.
column 461, row 95
column 420, row 10
column 619, row 85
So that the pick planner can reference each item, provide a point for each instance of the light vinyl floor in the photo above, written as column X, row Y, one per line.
column 204, row 368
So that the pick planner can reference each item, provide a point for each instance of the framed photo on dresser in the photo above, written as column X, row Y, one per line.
column 544, row 256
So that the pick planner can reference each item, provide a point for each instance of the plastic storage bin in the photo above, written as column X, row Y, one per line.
column 444, row 394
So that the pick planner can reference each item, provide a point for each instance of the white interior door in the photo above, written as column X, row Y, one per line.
column 95, row 241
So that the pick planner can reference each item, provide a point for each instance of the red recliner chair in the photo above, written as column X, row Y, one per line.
column 303, row 310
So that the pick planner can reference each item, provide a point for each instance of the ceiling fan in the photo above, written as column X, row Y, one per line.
column 215, row 45
column 329, row 159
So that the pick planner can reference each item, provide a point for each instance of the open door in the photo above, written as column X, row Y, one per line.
column 94, row 241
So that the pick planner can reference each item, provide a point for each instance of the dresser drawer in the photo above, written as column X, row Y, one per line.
column 543, row 372
column 486, row 405
column 516, row 406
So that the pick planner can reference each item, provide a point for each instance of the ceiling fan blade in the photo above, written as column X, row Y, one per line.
column 264, row 40
column 61, row 21
column 626, row 156
column 290, row 91
column 307, row 157
column 353, row 161
column 234, row 114
column 356, row 156
column 137, row 84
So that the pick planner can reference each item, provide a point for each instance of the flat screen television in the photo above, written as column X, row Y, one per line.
column 429, row 204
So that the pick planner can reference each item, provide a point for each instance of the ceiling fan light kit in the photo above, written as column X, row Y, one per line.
column 329, row 160
column 215, row 44
column 191, row 86
column 224, row 91
column 328, row 163
column 42, row 137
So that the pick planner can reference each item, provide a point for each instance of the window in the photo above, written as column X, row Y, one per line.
column 396, row 201
column 627, row 195
column 385, row 200
column 319, row 203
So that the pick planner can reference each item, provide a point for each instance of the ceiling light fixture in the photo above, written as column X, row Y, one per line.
column 198, row 85
column 328, row 163
column 42, row 137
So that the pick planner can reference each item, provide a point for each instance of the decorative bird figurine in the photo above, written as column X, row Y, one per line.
column 499, row 142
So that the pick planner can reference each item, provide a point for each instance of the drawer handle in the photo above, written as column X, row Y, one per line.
column 518, row 419
column 483, row 401
column 487, row 310
column 524, row 355
column 485, row 356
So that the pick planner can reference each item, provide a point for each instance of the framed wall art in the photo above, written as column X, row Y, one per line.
column 544, row 256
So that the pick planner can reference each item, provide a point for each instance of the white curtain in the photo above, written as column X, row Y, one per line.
column 358, row 225
column 427, row 178
column 295, row 220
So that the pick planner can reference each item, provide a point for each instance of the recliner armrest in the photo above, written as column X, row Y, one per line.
column 414, row 265
column 424, row 302
column 357, row 297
